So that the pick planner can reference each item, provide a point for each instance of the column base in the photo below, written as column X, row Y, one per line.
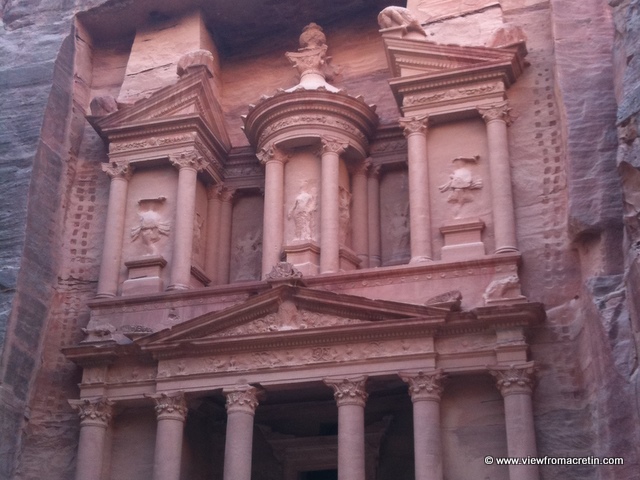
column 420, row 259
column 177, row 286
column 105, row 295
column 506, row 250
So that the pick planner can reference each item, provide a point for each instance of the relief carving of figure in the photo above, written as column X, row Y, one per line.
column 198, row 222
column 151, row 228
column 396, row 17
column 248, row 252
column 398, row 229
column 344, row 215
column 303, row 212
column 461, row 182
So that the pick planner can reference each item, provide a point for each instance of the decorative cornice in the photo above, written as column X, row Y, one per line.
column 499, row 111
column 333, row 145
column 170, row 406
column 413, row 125
column 119, row 169
column 95, row 411
column 514, row 379
column 424, row 385
column 349, row 391
column 241, row 399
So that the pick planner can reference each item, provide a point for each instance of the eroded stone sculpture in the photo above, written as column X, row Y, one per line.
column 461, row 183
column 304, row 212
column 151, row 227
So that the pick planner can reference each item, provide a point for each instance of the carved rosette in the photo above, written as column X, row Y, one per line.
column 241, row 400
column 333, row 145
column 172, row 406
column 514, row 379
column 414, row 125
column 499, row 111
column 349, row 391
column 188, row 159
column 424, row 385
column 118, row 169
column 95, row 412
column 271, row 153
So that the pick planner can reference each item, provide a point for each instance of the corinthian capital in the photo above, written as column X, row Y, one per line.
column 188, row 159
column 424, row 385
column 349, row 391
column 118, row 169
column 512, row 379
column 411, row 125
column 242, row 399
column 333, row 145
column 170, row 405
column 94, row 411
column 271, row 153
column 498, row 111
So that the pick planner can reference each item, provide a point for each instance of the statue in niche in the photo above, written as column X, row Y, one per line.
column 398, row 229
column 198, row 223
column 344, row 206
column 461, row 183
column 248, row 251
column 151, row 228
column 304, row 211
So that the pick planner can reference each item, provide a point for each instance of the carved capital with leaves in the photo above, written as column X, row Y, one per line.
column 95, row 411
column 170, row 405
column 413, row 125
column 188, row 159
column 333, row 145
column 118, row 169
column 496, row 112
column 271, row 153
column 424, row 385
column 514, row 379
column 349, row 391
column 242, row 399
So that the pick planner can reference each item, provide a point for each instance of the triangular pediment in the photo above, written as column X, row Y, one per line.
column 289, row 310
column 191, row 97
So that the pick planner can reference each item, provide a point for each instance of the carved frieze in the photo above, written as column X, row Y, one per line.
column 310, row 121
column 151, row 142
column 450, row 94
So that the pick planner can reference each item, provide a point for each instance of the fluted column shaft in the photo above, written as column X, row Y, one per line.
column 373, row 212
column 360, row 217
column 516, row 386
column 351, row 397
column 330, row 205
column 171, row 413
column 274, row 160
column 415, row 129
column 95, row 415
column 213, row 233
column 224, row 245
column 241, row 407
column 188, row 165
column 120, row 173
column 426, row 390
column 497, row 120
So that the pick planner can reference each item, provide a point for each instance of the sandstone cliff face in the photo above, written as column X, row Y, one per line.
column 580, row 124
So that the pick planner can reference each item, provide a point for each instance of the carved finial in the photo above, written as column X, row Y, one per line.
column 312, row 37
column 192, row 60
column 284, row 272
column 399, row 19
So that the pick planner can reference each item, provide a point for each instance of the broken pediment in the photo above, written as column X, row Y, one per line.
column 187, row 107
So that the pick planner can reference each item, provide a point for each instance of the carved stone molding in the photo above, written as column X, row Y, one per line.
column 271, row 153
column 412, row 125
column 283, row 271
column 349, row 391
column 514, row 379
column 424, row 385
column 499, row 111
column 120, row 169
column 96, row 411
column 170, row 406
column 241, row 399
column 333, row 145
column 188, row 159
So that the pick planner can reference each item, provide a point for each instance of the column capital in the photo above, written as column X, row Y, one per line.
column 170, row 405
column 413, row 125
column 118, row 169
column 333, row 145
column 243, row 399
column 349, row 391
column 498, row 111
column 188, row 159
column 271, row 153
column 361, row 168
column 93, row 411
column 514, row 379
column 424, row 385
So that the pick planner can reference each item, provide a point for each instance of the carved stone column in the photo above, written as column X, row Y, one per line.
column 171, row 412
column 373, row 212
column 213, row 232
column 241, row 407
column 415, row 129
column 274, row 160
column 497, row 119
column 188, row 164
column 120, row 173
column 360, row 216
column 95, row 415
column 351, row 397
column 426, row 390
column 516, row 386
column 224, row 241
column 330, row 205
